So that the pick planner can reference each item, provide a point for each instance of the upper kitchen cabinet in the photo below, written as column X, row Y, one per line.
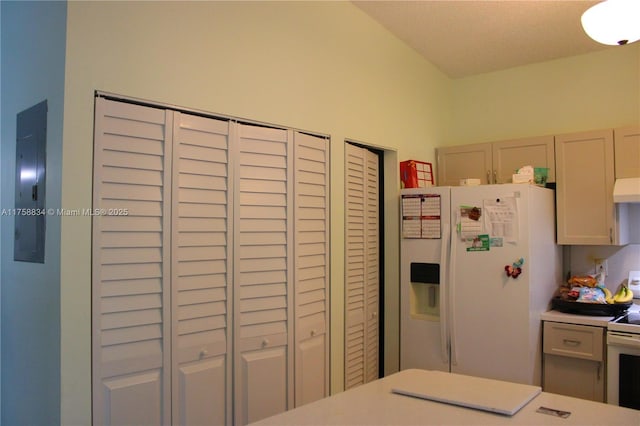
column 494, row 162
column 466, row 161
column 627, row 152
column 510, row 155
column 586, row 213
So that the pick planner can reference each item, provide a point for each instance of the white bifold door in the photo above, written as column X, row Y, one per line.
column 210, row 268
column 362, row 264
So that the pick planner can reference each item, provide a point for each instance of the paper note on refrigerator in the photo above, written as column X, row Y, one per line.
column 501, row 218
column 421, row 216
column 471, row 224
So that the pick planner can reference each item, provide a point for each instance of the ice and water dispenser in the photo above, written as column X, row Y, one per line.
column 425, row 291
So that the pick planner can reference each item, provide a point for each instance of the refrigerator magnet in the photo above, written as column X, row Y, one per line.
column 496, row 242
column 479, row 243
column 515, row 268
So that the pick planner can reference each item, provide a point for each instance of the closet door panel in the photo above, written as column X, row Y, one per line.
column 261, row 272
column 355, row 268
column 201, row 281
column 134, row 399
column 311, row 286
column 372, row 262
column 311, row 357
column 265, row 393
column 200, row 386
column 362, row 267
column 130, row 278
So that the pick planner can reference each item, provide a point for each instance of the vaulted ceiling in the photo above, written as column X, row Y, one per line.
column 463, row 37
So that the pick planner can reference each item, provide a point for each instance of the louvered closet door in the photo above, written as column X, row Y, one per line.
column 311, row 280
column 362, row 265
column 130, row 282
column 372, row 266
column 262, row 273
column 201, row 271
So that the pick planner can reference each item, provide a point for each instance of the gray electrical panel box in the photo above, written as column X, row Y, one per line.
column 29, row 213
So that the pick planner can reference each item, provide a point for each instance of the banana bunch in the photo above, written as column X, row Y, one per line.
column 608, row 296
column 623, row 295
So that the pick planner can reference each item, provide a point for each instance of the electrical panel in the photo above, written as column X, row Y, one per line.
column 30, row 212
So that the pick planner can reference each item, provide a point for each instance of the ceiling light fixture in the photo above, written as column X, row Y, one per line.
column 613, row 22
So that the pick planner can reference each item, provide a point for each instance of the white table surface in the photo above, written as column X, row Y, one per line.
column 375, row 404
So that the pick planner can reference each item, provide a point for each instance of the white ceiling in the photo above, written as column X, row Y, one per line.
column 464, row 38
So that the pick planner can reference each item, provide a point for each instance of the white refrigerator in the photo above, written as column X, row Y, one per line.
column 479, row 264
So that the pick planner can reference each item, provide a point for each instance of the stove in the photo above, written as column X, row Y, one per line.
column 623, row 359
column 628, row 322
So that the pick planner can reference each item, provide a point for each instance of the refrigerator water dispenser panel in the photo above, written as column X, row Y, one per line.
column 425, row 291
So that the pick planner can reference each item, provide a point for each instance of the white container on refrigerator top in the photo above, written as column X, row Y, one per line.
column 460, row 311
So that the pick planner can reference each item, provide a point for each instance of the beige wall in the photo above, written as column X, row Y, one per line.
column 317, row 66
column 593, row 91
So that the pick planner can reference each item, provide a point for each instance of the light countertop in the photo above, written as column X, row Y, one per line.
column 557, row 316
column 593, row 320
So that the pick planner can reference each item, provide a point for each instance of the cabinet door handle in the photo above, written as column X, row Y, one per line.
column 571, row 342
column 599, row 369
column 488, row 176
column 495, row 176
column 611, row 235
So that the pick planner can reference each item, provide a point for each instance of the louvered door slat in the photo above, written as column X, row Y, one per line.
column 130, row 269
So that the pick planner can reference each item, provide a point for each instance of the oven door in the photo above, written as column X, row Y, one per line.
column 623, row 369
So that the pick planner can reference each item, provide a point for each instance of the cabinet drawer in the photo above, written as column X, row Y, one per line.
column 576, row 341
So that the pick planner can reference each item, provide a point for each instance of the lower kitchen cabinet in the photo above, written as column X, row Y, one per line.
column 574, row 360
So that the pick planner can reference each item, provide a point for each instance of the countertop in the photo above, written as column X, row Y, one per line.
column 375, row 404
column 598, row 321
column 563, row 317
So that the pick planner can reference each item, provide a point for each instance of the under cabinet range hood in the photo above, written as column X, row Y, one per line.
column 627, row 190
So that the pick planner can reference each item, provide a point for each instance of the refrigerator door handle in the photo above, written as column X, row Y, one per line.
column 444, row 259
column 452, row 297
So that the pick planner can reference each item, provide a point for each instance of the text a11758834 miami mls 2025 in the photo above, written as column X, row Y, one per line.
column 64, row 212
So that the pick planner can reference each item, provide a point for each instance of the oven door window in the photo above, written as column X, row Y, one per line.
column 629, row 389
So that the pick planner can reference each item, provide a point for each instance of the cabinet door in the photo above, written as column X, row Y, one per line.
column 584, row 188
column 574, row 360
column 130, row 271
column 311, row 288
column 575, row 377
column 466, row 161
column 200, row 280
column 627, row 152
column 262, row 273
column 509, row 156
